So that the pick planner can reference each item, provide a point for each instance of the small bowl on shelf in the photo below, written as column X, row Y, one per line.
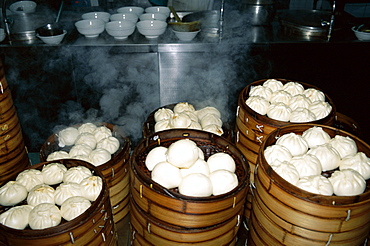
column 131, row 9
column 362, row 32
column 159, row 9
column 104, row 16
column 124, row 17
column 153, row 16
column 151, row 28
column 120, row 29
column 53, row 39
column 90, row 28
column 186, row 36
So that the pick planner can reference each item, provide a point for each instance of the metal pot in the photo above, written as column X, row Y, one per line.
column 209, row 20
column 259, row 12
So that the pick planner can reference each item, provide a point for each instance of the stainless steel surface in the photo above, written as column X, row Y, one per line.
column 260, row 14
column 209, row 21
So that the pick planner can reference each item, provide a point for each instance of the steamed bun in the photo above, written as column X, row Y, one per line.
column 182, row 153
column 196, row 184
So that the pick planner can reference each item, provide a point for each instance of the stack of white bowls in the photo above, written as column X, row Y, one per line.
column 153, row 23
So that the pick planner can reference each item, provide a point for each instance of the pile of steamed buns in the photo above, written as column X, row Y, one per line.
column 182, row 165
column 184, row 115
column 40, row 199
column 289, row 102
column 88, row 142
column 301, row 159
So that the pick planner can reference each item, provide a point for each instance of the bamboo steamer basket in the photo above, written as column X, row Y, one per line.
column 284, row 214
column 165, row 217
column 13, row 153
column 94, row 227
column 115, row 171
column 252, row 128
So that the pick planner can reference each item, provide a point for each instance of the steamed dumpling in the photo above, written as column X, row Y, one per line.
column 261, row 91
column 183, row 106
column 279, row 111
column 286, row 170
column 111, row 144
column 162, row 125
column 223, row 181
column 200, row 166
column 166, row 175
column 300, row 115
column 320, row 109
column 277, row 152
column 307, row 165
column 182, row 153
column 258, row 104
column 359, row 162
column 344, row 145
column 180, row 120
column 99, row 156
column 347, row 182
column 195, row 125
column 41, row 194
column 314, row 94
column 210, row 119
column 155, row 156
column 53, row 173
column 67, row 136
column 316, row 184
column 65, row 191
column 163, row 114
column 44, row 215
column 196, row 184
column 12, row 193
column 87, row 139
column 91, row 187
column 299, row 101
column 208, row 110
column 87, row 127
column 30, row 178
column 80, row 149
column 328, row 156
column 316, row 136
column 280, row 96
column 213, row 128
column 76, row 174
column 221, row 160
column 57, row 155
column 293, row 88
column 16, row 217
column 273, row 84
column 102, row 132
column 73, row 207
column 294, row 143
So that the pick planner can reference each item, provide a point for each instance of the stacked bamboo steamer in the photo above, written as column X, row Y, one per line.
column 13, row 154
column 283, row 214
column 161, row 216
column 115, row 171
column 252, row 128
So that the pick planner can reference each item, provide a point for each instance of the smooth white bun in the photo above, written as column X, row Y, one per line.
column 299, row 101
column 201, row 154
column 76, row 174
column 80, row 149
column 261, row 91
column 215, row 129
column 344, row 145
column 273, row 84
column 328, row 156
column 99, row 156
column 57, row 155
column 53, row 173
column 316, row 184
column 163, row 114
column 316, row 136
column 183, row 106
column 281, row 97
column 286, row 170
column 307, row 165
column 180, row 120
column 223, row 181
column 65, row 191
column 196, row 184
column 166, row 175
column 67, row 136
column 320, row 109
column 102, row 132
column 91, row 187
column 86, row 138
column 295, row 143
column 221, row 160
column 73, row 207
column 277, row 152
column 155, row 156
column 44, row 215
column 210, row 119
column 87, row 127
column 293, row 88
column 12, row 193
column 301, row 115
column 208, row 110
column 314, row 94
column 182, row 153
column 162, row 125
column 41, row 194
column 347, row 182
column 195, row 125
column 30, row 178
column 279, row 111
column 16, row 217
column 200, row 166
column 258, row 104
column 359, row 162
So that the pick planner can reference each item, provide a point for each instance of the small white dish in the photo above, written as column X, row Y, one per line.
column 151, row 28
column 153, row 16
column 131, row 9
column 159, row 9
column 57, row 39
column 363, row 36
column 124, row 17
column 96, row 15
column 90, row 28
column 186, row 36
column 120, row 29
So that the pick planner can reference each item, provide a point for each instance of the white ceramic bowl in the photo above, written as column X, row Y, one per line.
column 186, row 36
column 124, row 17
column 153, row 16
column 57, row 39
column 2, row 34
column 96, row 15
column 151, row 28
column 90, row 28
column 363, row 36
column 120, row 29
column 21, row 7
column 159, row 9
column 131, row 9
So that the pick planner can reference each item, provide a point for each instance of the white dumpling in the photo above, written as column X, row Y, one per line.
column 166, row 175
column 347, row 182
column 44, row 215
column 295, row 143
column 30, row 178
column 67, row 136
column 87, row 139
column 192, row 115
column 200, row 166
column 215, row 129
column 277, row 152
column 162, row 125
column 208, row 110
column 41, row 194
column 293, row 88
column 299, row 101
column 320, row 109
column 163, row 114
column 111, row 144
column 180, row 120
column 344, row 145
column 74, row 207
column 182, row 153
column 82, row 158
column 76, row 174
column 316, row 136
column 273, row 84
column 359, row 162
column 16, row 217
column 102, row 132
column 65, row 191
column 197, row 185
column 87, row 127
column 286, row 170
column 261, row 91
column 316, row 184
column 301, row 115
column 210, row 119
column 279, row 111
column 281, row 97
column 91, row 187
column 201, row 154
column 155, row 156
column 307, row 165
column 195, row 125
column 99, row 156
column 328, row 156
column 314, row 94
column 183, row 106
column 53, row 173
column 80, row 149
column 258, row 104
column 221, row 160
column 223, row 181
column 57, row 155
column 12, row 193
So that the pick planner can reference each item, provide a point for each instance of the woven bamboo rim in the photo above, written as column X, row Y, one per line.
column 94, row 227
column 347, row 124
